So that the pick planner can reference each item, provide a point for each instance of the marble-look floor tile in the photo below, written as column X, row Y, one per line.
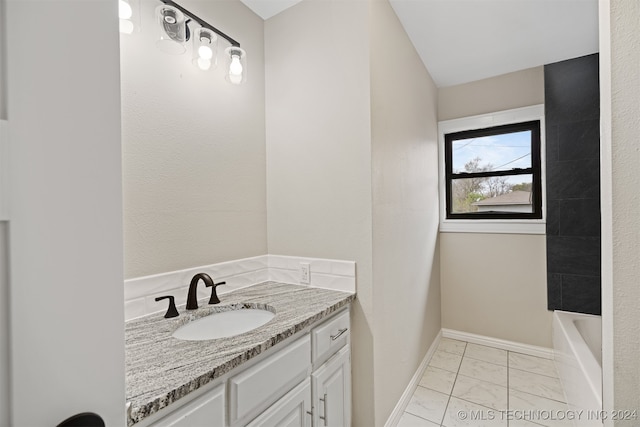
column 536, row 409
column 537, row 365
column 428, row 404
column 410, row 420
column 540, row 385
column 461, row 413
column 484, row 371
column 452, row 346
column 446, row 361
column 481, row 392
column 438, row 379
column 486, row 354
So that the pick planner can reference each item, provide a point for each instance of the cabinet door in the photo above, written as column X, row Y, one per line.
column 257, row 388
column 204, row 411
column 331, row 391
column 292, row 410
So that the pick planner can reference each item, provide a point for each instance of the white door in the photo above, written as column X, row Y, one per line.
column 331, row 391
column 292, row 410
column 66, row 246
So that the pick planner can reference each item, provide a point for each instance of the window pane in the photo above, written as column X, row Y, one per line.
column 492, row 153
column 495, row 194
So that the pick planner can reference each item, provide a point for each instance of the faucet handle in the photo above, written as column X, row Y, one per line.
column 214, row 295
column 171, row 311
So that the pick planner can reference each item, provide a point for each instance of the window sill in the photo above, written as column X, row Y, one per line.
column 493, row 226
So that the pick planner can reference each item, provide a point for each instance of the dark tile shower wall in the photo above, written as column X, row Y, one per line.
column 572, row 115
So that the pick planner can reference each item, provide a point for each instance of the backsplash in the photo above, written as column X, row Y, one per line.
column 140, row 293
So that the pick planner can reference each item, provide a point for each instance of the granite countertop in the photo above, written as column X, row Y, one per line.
column 161, row 369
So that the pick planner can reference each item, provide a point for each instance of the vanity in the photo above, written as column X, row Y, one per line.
column 295, row 370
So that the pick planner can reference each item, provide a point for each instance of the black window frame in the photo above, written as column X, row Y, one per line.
column 535, row 170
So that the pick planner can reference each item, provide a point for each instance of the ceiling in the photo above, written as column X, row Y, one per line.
column 466, row 40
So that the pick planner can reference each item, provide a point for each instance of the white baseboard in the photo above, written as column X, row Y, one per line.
column 397, row 412
column 517, row 347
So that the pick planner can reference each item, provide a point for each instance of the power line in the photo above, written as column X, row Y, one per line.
column 470, row 141
column 508, row 163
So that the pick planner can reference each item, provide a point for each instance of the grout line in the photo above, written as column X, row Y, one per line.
column 418, row 416
column 541, row 397
column 536, row 373
column 486, row 361
column 454, row 385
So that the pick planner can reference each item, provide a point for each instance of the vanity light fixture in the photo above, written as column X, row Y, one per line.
column 173, row 22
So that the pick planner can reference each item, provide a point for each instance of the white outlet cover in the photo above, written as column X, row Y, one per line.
column 305, row 273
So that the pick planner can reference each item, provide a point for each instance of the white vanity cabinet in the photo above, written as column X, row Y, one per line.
column 260, row 386
column 331, row 381
column 205, row 411
column 293, row 410
column 305, row 384
column 331, row 385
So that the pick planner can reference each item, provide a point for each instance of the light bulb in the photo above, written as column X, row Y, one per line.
column 235, row 68
column 237, row 64
column 205, row 52
column 126, row 26
column 124, row 10
column 204, row 64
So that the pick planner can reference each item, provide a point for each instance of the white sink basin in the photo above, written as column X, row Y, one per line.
column 223, row 324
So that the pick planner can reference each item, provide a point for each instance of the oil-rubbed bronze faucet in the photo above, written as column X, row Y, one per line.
column 192, row 299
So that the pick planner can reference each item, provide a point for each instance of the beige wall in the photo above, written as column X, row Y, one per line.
column 193, row 149
column 513, row 90
column 495, row 285
column 4, row 255
column 5, row 371
column 3, row 70
column 620, row 91
column 346, row 151
column 481, row 292
column 406, row 278
column 319, row 154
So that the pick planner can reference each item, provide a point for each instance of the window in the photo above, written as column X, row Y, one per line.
column 492, row 172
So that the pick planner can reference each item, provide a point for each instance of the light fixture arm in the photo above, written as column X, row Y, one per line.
column 202, row 22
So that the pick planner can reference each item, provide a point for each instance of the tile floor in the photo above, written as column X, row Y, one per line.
column 468, row 384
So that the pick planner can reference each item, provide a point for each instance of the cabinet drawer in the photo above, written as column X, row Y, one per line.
column 206, row 410
column 330, row 337
column 259, row 386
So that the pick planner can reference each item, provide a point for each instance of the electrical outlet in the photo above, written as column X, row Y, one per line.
column 305, row 273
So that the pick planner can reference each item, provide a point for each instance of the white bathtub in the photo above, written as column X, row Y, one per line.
column 577, row 348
